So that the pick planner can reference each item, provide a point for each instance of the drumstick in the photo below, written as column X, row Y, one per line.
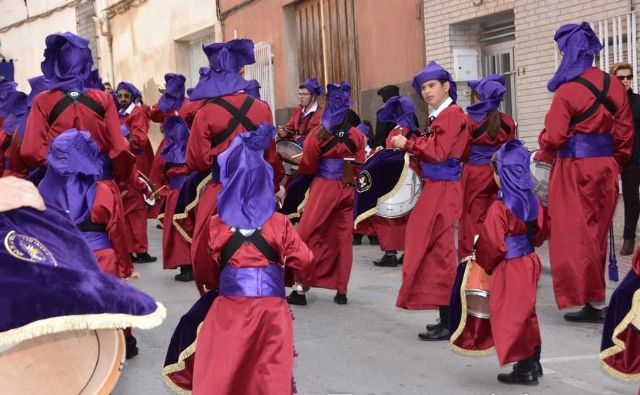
column 157, row 190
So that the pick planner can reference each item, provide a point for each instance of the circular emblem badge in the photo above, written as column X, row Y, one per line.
column 73, row 94
column 341, row 134
column 364, row 181
column 28, row 249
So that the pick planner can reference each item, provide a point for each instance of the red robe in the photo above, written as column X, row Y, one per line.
column 301, row 126
column 327, row 223
column 108, row 211
column 429, row 267
column 245, row 345
column 583, row 192
column 209, row 121
column 478, row 187
column 512, row 301
column 176, row 249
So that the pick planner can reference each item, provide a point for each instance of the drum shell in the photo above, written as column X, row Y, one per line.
column 286, row 149
column 477, row 291
column 541, row 172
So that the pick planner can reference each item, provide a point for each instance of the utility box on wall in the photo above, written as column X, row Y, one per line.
column 465, row 64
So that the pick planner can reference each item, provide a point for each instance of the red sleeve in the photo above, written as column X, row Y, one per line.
column 623, row 128
column 310, row 155
column 18, row 167
column 219, row 235
column 199, row 144
column 556, row 124
column 272, row 157
column 138, row 125
column 491, row 249
column 106, row 210
column 156, row 115
column 122, row 160
column 294, row 251
column 291, row 123
column 35, row 146
column 437, row 147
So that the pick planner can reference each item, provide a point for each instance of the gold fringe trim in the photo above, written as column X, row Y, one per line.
column 463, row 321
column 301, row 206
column 180, row 365
column 83, row 322
column 618, row 345
column 373, row 211
column 190, row 206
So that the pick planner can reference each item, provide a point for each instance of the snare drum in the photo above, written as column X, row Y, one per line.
column 477, row 291
column 541, row 171
column 290, row 152
column 82, row 362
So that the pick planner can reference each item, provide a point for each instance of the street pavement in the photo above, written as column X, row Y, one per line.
column 371, row 347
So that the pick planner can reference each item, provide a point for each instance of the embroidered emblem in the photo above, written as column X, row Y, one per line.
column 74, row 94
column 364, row 181
column 28, row 249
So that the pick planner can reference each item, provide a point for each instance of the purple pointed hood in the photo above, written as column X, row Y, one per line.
column 173, row 96
column 17, row 110
column 399, row 110
column 491, row 90
column 38, row 84
column 67, row 62
column 338, row 103
column 516, row 181
column 72, row 170
column 578, row 45
column 433, row 71
column 222, row 77
column 247, row 199
column 313, row 86
column 136, row 95
column 176, row 135
column 94, row 81
column 6, row 89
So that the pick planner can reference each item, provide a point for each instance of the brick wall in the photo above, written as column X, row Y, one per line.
column 535, row 24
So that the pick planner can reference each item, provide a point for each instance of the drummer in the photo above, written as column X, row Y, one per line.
column 505, row 249
column 307, row 115
column 400, row 111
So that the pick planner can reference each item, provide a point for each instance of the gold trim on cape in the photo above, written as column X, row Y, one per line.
column 178, row 216
column 180, row 365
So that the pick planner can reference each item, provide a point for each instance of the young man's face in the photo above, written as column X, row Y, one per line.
column 435, row 92
column 124, row 98
column 108, row 88
column 306, row 99
column 626, row 77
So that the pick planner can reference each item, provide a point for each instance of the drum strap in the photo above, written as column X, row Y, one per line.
column 601, row 99
column 89, row 226
column 71, row 98
column 238, row 239
column 239, row 117
column 340, row 137
column 483, row 128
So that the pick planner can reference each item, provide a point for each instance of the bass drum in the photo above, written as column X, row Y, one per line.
column 82, row 362
column 289, row 152
column 402, row 202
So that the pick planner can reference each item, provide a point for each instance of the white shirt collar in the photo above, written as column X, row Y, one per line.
column 129, row 109
column 441, row 108
column 308, row 110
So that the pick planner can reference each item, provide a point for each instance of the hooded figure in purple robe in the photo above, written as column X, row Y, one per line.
column 399, row 110
column 433, row 71
column 223, row 75
column 578, row 45
column 17, row 111
column 247, row 200
column 176, row 135
column 51, row 281
column 72, row 171
column 6, row 89
column 173, row 96
column 313, row 86
column 67, row 62
column 490, row 89
column 38, row 84
column 516, row 181
column 136, row 95
column 94, row 81
column 338, row 104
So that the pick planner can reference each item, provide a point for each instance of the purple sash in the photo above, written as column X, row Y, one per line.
column 481, row 154
column 331, row 169
column 517, row 246
column 97, row 240
column 252, row 282
column 449, row 170
column 582, row 145
column 176, row 182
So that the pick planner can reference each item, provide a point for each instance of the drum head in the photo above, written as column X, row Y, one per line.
column 541, row 172
column 73, row 362
column 402, row 202
column 286, row 149
column 147, row 194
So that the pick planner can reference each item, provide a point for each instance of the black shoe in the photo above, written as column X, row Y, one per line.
column 587, row 314
column 515, row 377
column 297, row 299
column 431, row 327
column 184, row 277
column 387, row 261
column 357, row 240
column 373, row 240
column 158, row 226
column 627, row 247
column 340, row 298
column 539, row 372
column 439, row 332
column 400, row 261
column 131, row 345
column 144, row 257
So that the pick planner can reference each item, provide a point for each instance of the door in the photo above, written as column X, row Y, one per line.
column 498, row 59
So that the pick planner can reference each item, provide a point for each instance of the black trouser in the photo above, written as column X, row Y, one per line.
column 444, row 316
column 631, row 199
column 529, row 364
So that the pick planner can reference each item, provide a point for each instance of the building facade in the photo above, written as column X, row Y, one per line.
column 474, row 38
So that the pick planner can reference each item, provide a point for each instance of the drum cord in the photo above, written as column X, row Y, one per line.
column 613, row 261
column 95, row 367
